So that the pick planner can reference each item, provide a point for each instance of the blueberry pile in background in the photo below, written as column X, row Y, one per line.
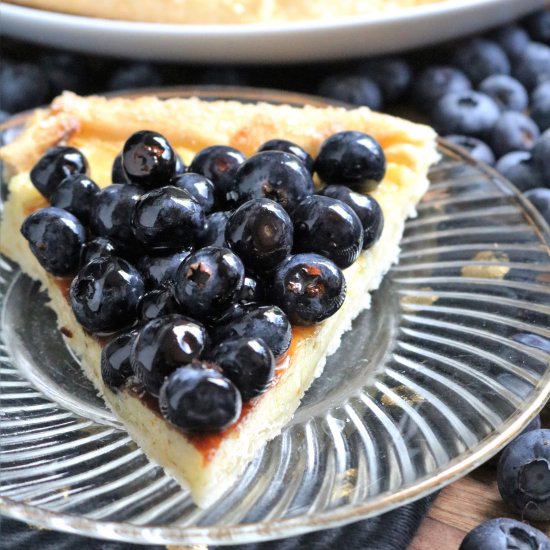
column 489, row 94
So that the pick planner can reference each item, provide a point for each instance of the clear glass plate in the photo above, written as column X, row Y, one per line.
column 450, row 363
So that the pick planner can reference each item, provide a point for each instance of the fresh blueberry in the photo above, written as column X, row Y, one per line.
column 308, row 288
column 508, row 93
column 520, row 169
column 476, row 148
column 392, row 74
column 158, row 303
column 55, row 166
column 148, row 159
column 157, row 270
column 112, row 213
column 248, row 363
column 55, row 238
column 533, row 67
column 538, row 26
column 218, row 163
column 76, row 194
column 198, row 399
column 467, row 113
column 351, row 158
column 251, row 291
column 541, row 156
column 96, row 248
column 65, row 71
column 163, row 345
column 214, row 231
column 435, row 82
column 523, row 475
column 105, row 294
column 288, row 147
column 513, row 132
column 505, row 534
column 540, row 197
column 480, row 58
column 208, row 281
column 134, row 75
column 366, row 207
column 267, row 322
column 352, row 89
column 260, row 233
column 272, row 175
column 167, row 217
column 198, row 186
column 117, row 172
column 329, row 227
column 221, row 75
column 116, row 367
column 540, row 105
column 512, row 39
column 22, row 86
column 3, row 117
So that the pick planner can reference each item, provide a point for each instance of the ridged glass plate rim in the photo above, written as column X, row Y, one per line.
column 254, row 532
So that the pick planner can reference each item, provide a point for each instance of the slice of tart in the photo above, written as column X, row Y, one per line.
column 208, row 462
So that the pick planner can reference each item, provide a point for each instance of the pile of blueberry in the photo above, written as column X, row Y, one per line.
column 197, row 273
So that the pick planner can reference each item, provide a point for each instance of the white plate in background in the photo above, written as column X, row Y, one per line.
column 263, row 43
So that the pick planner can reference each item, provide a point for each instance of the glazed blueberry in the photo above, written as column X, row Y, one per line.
column 248, row 363
column 533, row 67
column 520, row 169
column 112, row 213
column 198, row 399
column 198, row 186
column 251, row 291
column 366, row 207
column 116, row 367
column 540, row 197
column 158, row 303
column 328, row 227
column 208, row 280
column 392, row 74
column 480, row 58
column 260, row 233
column 272, row 175
column 55, row 238
column 134, row 75
column 353, row 89
column 512, row 39
column 96, row 248
column 105, row 295
column 180, row 166
column 351, row 158
column 538, row 26
column 508, row 93
column 214, row 231
column 117, row 172
column 505, row 534
column 167, row 217
column 540, row 105
column 55, row 166
column 468, row 113
column 22, row 86
column 288, row 147
column 523, row 475
column 513, row 132
column 541, row 156
column 435, row 82
column 251, row 320
column 160, row 269
column 218, row 163
column 476, row 148
column 163, row 345
column 308, row 288
column 148, row 159
column 76, row 194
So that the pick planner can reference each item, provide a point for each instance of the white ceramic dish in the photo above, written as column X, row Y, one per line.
column 288, row 42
